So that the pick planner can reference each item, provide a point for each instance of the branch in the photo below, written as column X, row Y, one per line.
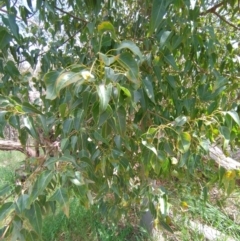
column 65, row 41
column 227, row 162
column 212, row 9
column 226, row 21
column 7, row 145
column 73, row 16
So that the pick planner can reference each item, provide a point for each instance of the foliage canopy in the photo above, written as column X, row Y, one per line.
column 125, row 92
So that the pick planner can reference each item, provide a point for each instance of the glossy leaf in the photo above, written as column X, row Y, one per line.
column 104, row 93
column 234, row 116
column 148, row 87
column 28, row 108
column 61, row 196
column 40, row 184
column 34, row 216
column 67, row 78
column 128, row 62
column 106, row 27
column 184, row 141
column 6, row 210
column 158, row 12
column 120, row 117
column 132, row 46
column 50, row 79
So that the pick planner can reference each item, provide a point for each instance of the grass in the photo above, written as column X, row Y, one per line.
column 83, row 224
column 9, row 161
column 86, row 224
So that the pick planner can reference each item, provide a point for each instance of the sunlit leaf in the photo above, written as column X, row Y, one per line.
column 234, row 116
column 104, row 93
column 158, row 12
column 132, row 46
column 148, row 84
column 106, row 27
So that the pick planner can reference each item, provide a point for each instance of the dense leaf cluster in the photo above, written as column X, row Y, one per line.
column 126, row 92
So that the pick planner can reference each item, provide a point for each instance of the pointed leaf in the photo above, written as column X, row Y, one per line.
column 148, row 87
column 22, row 203
column 128, row 62
column 104, row 94
column 61, row 196
column 158, row 11
column 234, row 116
column 150, row 147
column 106, row 27
column 50, row 79
column 68, row 78
column 170, row 60
column 120, row 116
column 180, row 120
column 28, row 108
column 5, row 37
column 108, row 60
column 184, row 141
column 10, row 21
column 5, row 210
column 34, row 216
column 132, row 46
column 41, row 183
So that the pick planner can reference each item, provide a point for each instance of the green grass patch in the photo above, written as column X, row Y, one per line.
column 9, row 161
column 87, row 224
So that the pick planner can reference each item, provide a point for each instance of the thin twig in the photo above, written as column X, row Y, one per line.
column 226, row 21
column 212, row 9
column 73, row 16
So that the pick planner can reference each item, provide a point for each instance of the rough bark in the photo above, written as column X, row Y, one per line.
column 7, row 145
column 218, row 156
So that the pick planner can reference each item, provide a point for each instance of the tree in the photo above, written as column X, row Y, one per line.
column 128, row 92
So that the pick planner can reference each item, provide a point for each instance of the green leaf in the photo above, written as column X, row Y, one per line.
column 120, row 117
column 132, row 46
column 5, row 210
column 234, row 116
column 158, row 11
column 22, row 203
column 148, row 87
column 128, row 62
column 50, row 79
column 14, row 121
column 28, row 108
column 225, row 132
column 5, row 189
column 40, row 184
column 34, row 215
column 97, row 135
column 5, row 37
column 61, row 196
column 164, row 37
column 29, row 124
column 108, row 60
column 10, row 21
column 180, row 120
column 104, row 93
column 64, row 143
column 170, row 60
column 106, row 27
column 68, row 78
column 105, row 116
column 11, row 69
column 150, row 147
column 184, row 142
